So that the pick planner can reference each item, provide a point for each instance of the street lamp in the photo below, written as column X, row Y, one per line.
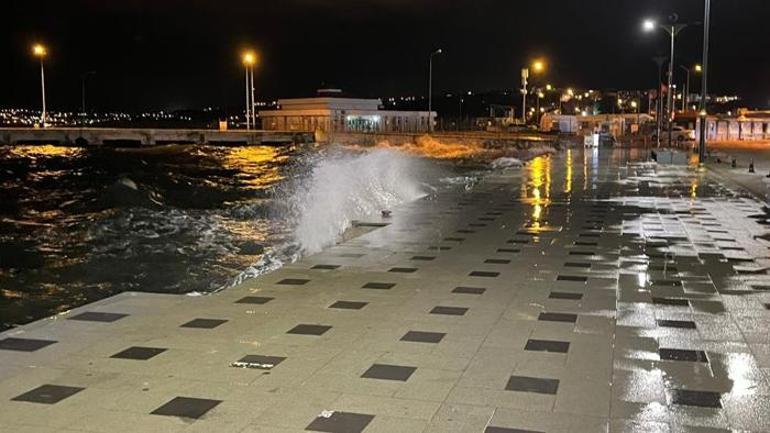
column 40, row 51
column 704, row 83
column 249, row 59
column 538, row 67
column 673, row 30
column 430, row 88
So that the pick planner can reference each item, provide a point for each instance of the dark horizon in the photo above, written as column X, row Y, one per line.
column 185, row 55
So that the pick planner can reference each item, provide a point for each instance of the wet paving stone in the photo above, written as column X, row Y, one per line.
column 306, row 329
column 492, row 429
column 682, row 324
column 508, row 250
column 469, row 290
column 203, row 323
column 682, row 355
column 326, row 267
column 24, row 344
column 95, row 316
column 259, row 362
column 254, row 300
column 547, row 346
column 48, row 394
column 186, row 407
column 566, row 296
column 672, row 302
column 497, row 261
column 139, row 353
column 705, row 399
column 484, row 274
column 423, row 337
column 403, row 270
column 449, row 311
column 389, row 372
column 577, row 265
column 424, row 258
column 575, row 278
column 558, row 317
column 349, row 305
column 378, row 286
column 532, row 384
column 340, row 422
column 293, row 282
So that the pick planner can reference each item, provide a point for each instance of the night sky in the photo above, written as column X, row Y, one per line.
column 175, row 54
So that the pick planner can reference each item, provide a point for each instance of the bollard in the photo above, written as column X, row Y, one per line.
column 751, row 166
column 735, row 163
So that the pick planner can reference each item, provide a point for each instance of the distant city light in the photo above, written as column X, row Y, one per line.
column 649, row 25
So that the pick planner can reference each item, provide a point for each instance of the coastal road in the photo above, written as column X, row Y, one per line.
column 585, row 292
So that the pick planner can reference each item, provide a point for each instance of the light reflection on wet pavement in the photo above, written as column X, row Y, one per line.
column 586, row 292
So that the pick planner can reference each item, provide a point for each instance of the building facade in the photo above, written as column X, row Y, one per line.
column 336, row 114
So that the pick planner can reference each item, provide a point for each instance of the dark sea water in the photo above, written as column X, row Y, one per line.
column 77, row 225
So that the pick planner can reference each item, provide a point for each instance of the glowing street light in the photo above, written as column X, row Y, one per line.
column 538, row 66
column 430, row 87
column 249, row 59
column 40, row 51
column 673, row 30
column 698, row 68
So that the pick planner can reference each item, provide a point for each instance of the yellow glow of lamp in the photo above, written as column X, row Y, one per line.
column 538, row 66
column 698, row 68
column 39, row 50
column 249, row 58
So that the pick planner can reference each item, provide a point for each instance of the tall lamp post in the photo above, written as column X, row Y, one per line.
column 249, row 59
column 538, row 67
column 40, row 52
column 430, row 88
column 704, row 84
column 658, row 101
column 673, row 30
column 686, row 98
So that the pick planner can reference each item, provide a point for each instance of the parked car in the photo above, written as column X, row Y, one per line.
column 679, row 134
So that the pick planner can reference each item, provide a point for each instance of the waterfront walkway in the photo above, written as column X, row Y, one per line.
column 579, row 294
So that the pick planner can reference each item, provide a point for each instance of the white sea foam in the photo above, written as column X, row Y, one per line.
column 344, row 188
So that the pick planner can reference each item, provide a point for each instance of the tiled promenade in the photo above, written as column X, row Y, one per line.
column 579, row 294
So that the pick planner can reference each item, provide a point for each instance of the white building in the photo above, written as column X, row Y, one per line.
column 338, row 114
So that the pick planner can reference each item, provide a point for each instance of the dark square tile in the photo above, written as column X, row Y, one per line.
column 449, row 311
column 492, row 429
column 486, row 219
column 403, row 270
column 259, row 300
column 469, row 290
column 48, row 394
column 577, row 265
column 682, row 355
column 24, row 344
column 139, row 353
column 485, row 274
column 558, row 317
column 378, row 286
column 454, row 239
column 186, row 407
column 576, row 278
column 532, row 384
column 673, row 302
column 589, row 235
column 351, row 255
column 683, row 324
column 497, row 261
column 203, row 323
column 581, row 253
column 566, row 295
column 585, row 244
column 477, row 225
column 96, row 316
column 664, row 282
column 424, row 258
column 259, row 362
column 326, row 267
column 465, row 231
column 349, row 305
column 423, row 337
column 547, row 346
column 293, row 282
column 389, row 372
column 518, row 241
column 304, row 329
column 340, row 422
column 696, row 398
column 439, row 248
column 508, row 250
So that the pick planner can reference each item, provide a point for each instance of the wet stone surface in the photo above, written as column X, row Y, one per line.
column 588, row 292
